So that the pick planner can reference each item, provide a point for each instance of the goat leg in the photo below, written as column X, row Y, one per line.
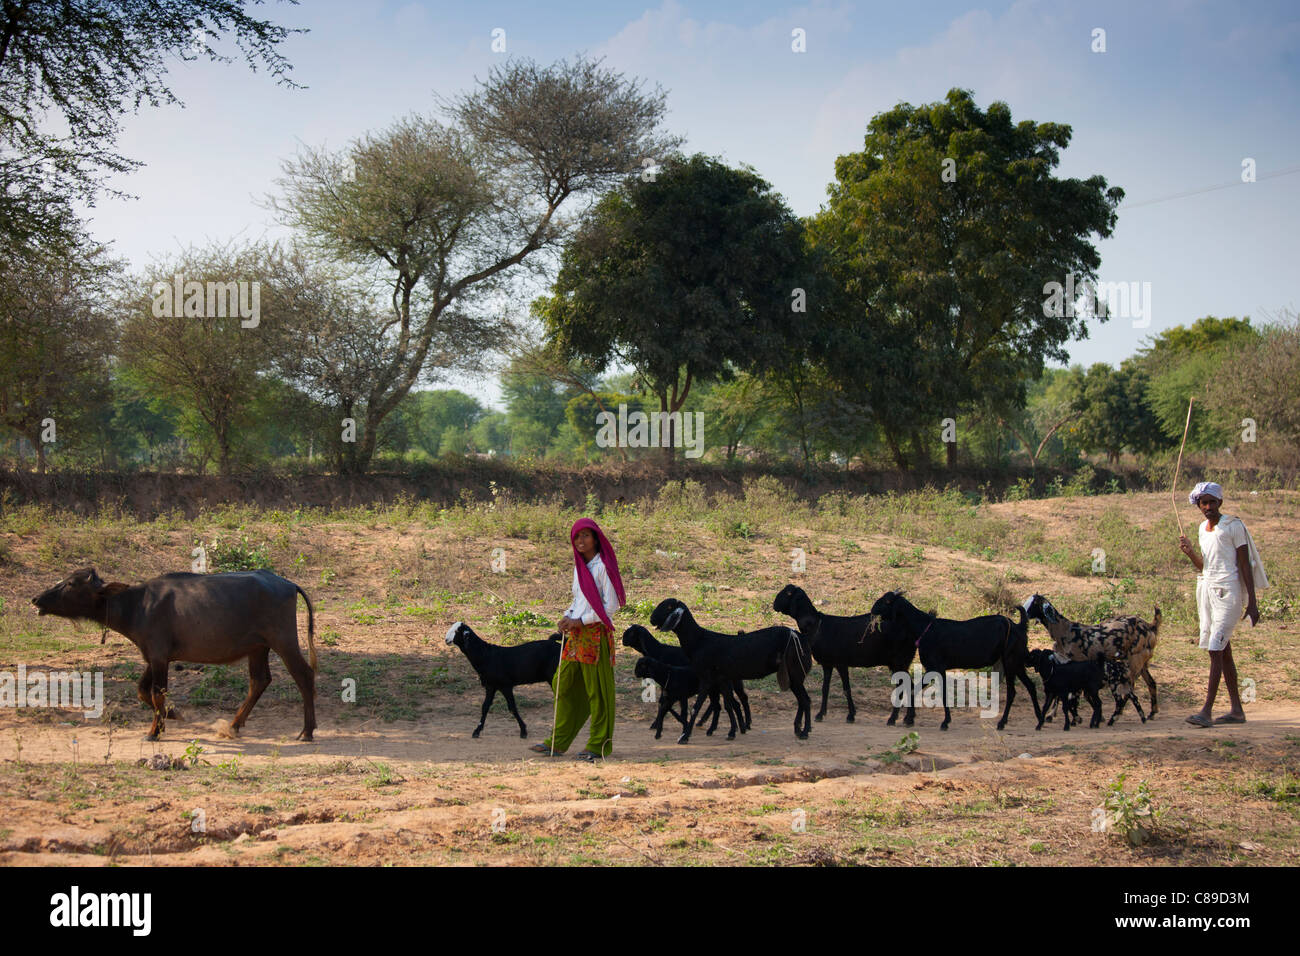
column 487, row 704
column 509, row 694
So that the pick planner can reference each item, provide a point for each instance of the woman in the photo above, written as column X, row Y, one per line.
column 1230, row 570
column 584, row 681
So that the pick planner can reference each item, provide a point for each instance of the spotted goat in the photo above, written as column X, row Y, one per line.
column 1130, row 641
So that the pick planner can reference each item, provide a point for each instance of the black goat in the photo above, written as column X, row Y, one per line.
column 723, row 658
column 678, row 684
column 505, row 668
column 949, row 645
column 645, row 643
column 839, row 643
column 1064, row 681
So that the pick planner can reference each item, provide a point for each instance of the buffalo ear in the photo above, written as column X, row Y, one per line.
column 108, row 590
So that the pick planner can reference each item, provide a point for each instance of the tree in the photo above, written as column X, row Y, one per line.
column 1180, row 363
column 683, row 276
column 1112, row 410
column 76, row 68
column 943, row 234
column 442, row 214
column 56, row 342
column 199, row 350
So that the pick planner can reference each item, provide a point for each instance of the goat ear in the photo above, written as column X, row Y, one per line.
column 673, row 618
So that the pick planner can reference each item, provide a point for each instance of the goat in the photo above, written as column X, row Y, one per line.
column 719, row 659
column 678, row 684
column 505, row 668
column 839, row 643
column 1128, row 639
column 1065, row 680
column 945, row 644
column 206, row 618
column 642, row 641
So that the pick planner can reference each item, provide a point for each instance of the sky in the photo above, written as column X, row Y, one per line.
column 1182, row 96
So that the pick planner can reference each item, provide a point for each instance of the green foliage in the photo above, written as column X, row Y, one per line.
column 236, row 555
column 906, row 745
column 944, row 279
column 686, row 277
column 1134, row 817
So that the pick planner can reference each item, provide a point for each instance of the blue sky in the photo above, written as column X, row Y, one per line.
column 1183, row 93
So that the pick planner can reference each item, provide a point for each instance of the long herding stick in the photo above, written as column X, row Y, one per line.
column 1173, row 494
column 555, row 714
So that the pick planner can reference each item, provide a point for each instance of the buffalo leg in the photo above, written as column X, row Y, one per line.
column 305, row 678
column 157, row 670
column 143, row 691
column 259, row 678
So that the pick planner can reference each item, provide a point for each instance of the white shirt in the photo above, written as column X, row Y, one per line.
column 1219, row 550
column 581, row 609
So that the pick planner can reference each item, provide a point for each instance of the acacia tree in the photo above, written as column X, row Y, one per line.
column 942, row 234
column 209, row 362
column 686, row 275
column 56, row 343
column 442, row 214
column 69, row 71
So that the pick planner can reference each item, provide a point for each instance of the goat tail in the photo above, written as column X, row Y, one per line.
column 311, row 629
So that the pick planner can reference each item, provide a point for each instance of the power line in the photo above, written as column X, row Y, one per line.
column 1207, row 189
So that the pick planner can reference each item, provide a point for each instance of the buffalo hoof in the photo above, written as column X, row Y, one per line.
column 820, row 716
column 476, row 733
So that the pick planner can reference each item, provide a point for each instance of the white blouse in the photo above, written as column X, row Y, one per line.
column 581, row 609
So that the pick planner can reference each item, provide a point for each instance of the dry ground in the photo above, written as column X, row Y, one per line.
column 396, row 777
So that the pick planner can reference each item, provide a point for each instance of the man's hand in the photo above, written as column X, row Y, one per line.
column 1252, row 612
column 1185, row 546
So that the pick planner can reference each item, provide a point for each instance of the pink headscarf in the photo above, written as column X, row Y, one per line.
column 585, row 581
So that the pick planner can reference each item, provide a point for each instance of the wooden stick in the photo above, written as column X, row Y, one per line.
column 1173, row 493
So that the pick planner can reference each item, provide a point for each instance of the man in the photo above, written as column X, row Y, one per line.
column 1228, row 566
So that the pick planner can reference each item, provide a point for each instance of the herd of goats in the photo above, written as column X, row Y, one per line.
column 222, row 618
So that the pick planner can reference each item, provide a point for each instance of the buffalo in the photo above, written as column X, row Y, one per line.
column 203, row 618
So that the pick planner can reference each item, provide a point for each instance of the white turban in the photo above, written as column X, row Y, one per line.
column 1213, row 489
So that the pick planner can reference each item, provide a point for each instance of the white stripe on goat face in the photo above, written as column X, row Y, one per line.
column 1028, row 601
column 453, row 631
column 673, row 618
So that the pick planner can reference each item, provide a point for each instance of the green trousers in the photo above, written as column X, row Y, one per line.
column 582, row 691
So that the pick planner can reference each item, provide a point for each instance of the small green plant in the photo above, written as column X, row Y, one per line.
column 230, row 767
column 894, row 558
column 523, row 618
column 194, row 754
column 1134, row 817
column 236, row 555
column 905, row 746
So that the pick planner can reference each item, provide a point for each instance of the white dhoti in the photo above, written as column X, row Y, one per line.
column 1220, row 606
